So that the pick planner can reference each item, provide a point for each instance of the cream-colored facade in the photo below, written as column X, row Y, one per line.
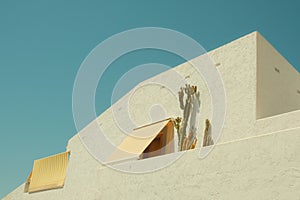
column 256, row 157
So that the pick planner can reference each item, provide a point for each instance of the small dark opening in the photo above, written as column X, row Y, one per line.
column 277, row 70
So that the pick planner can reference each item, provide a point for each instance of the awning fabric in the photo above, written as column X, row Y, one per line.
column 48, row 173
column 28, row 182
column 135, row 143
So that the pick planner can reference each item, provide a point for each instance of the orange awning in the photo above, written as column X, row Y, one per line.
column 136, row 143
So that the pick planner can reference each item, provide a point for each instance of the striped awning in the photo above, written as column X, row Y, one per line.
column 48, row 173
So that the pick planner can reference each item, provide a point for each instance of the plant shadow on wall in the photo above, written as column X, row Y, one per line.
column 186, row 127
column 187, row 123
column 157, row 139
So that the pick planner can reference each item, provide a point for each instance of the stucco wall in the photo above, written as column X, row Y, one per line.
column 278, row 82
column 254, row 159
column 263, row 167
column 237, row 64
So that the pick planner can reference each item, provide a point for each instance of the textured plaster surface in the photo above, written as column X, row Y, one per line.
column 278, row 82
column 237, row 64
column 263, row 167
column 254, row 159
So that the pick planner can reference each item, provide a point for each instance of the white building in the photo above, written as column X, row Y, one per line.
column 256, row 157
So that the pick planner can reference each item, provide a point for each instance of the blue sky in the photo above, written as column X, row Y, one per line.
column 43, row 43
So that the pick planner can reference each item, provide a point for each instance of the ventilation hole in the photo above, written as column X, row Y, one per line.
column 187, row 77
column 218, row 64
column 277, row 70
column 298, row 91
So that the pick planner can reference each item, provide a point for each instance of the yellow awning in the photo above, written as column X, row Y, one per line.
column 48, row 173
column 28, row 182
column 136, row 143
